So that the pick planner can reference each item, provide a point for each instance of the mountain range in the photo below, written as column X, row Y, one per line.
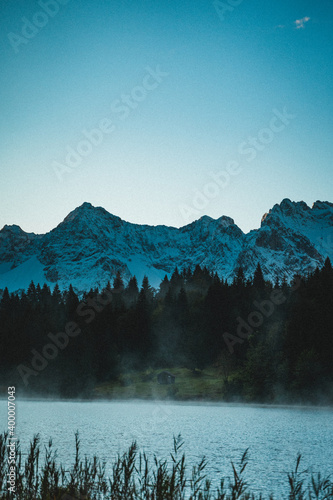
column 91, row 245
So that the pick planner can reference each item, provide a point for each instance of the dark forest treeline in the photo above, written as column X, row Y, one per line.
column 273, row 342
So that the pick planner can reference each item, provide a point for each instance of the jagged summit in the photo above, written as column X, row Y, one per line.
column 14, row 229
column 322, row 205
column 298, row 212
column 90, row 245
column 11, row 229
column 86, row 217
column 82, row 210
column 286, row 208
column 86, row 205
column 226, row 221
column 14, row 233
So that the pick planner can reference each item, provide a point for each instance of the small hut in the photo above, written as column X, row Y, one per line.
column 165, row 378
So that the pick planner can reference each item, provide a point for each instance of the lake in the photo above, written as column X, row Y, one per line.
column 274, row 435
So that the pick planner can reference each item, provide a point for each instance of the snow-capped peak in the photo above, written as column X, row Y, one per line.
column 91, row 245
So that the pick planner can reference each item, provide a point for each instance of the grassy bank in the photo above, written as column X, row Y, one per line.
column 210, row 384
column 192, row 385
column 135, row 476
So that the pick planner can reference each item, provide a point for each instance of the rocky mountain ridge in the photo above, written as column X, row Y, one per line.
column 91, row 245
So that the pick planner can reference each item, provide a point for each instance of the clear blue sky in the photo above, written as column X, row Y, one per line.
column 222, row 80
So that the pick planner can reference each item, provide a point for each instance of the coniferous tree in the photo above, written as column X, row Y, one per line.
column 118, row 283
column 258, row 279
column 31, row 293
column 71, row 302
column 147, row 290
column 132, row 291
column 164, row 287
column 56, row 296
column 143, row 337
column 239, row 280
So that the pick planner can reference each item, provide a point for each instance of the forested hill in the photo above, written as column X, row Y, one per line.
column 269, row 342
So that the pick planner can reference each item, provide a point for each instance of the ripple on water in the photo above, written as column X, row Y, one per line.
column 273, row 435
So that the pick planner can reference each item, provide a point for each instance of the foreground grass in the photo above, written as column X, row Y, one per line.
column 189, row 385
column 134, row 477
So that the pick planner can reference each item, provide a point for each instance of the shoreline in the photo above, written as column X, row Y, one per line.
column 178, row 402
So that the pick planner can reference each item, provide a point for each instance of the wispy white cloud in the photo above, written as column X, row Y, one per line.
column 300, row 23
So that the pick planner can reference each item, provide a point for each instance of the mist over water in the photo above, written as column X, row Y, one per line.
column 273, row 435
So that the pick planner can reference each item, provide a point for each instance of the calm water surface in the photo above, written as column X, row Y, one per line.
column 274, row 436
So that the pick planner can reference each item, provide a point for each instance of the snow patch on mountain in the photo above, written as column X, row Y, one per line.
column 20, row 276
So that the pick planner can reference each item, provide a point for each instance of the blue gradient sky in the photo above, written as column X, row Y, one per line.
column 224, row 79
